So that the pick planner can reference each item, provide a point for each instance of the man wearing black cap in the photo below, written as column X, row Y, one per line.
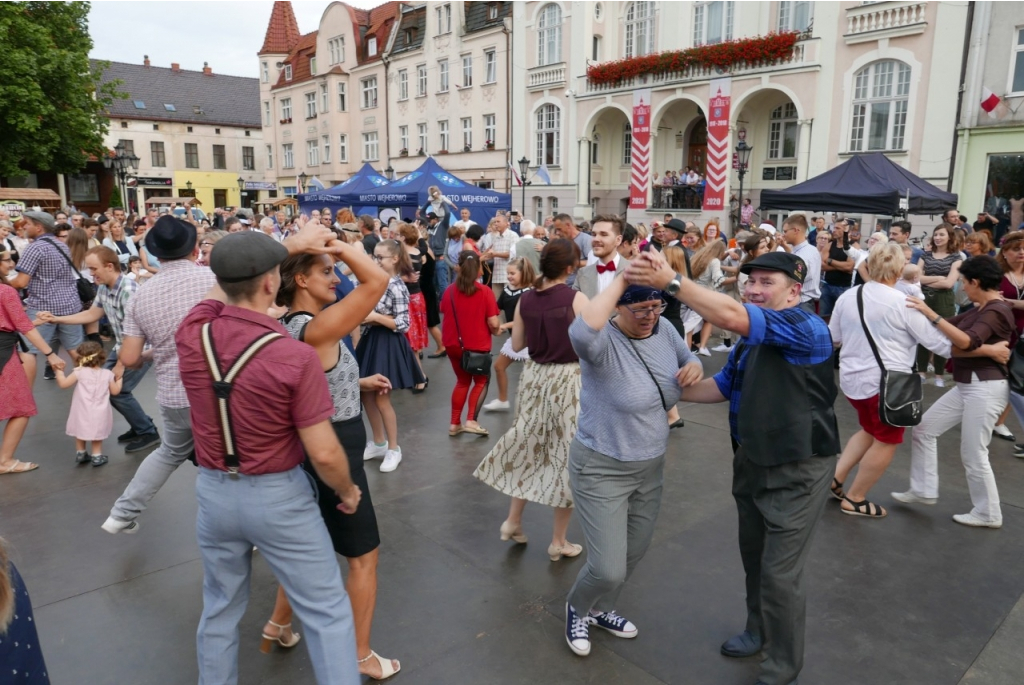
column 780, row 387
column 251, row 487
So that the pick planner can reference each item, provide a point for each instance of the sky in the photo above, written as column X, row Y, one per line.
column 225, row 34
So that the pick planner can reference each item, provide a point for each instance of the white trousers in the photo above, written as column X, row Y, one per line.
column 976, row 406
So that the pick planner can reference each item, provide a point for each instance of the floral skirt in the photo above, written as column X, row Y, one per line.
column 417, row 333
column 531, row 460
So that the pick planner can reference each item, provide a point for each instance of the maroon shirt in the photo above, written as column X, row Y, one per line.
column 546, row 316
column 1010, row 292
column 282, row 389
column 991, row 324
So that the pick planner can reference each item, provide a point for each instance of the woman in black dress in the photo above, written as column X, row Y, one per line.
column 430, row 298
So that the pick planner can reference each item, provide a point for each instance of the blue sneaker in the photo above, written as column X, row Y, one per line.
column 614, row 624
column 577, row 632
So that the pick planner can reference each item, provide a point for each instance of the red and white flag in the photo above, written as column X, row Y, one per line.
column 515, row 174
column 992, row 104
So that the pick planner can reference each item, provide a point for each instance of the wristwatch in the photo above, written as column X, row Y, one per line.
column 673, row 286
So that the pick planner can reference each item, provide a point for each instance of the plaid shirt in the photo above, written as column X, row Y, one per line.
column 115, row 304
column 156, row 311
column 803, row 337
column 502, row 242
column 52, row 287
column 395, row 303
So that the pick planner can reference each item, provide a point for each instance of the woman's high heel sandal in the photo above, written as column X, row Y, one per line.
column 569, row 549
column 285, row 637
column 387, row 669
column 509, row 531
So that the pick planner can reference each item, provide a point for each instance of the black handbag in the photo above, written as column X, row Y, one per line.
column 86, row 290
column 1015, row 368
column 473, row 363
column 900, row 394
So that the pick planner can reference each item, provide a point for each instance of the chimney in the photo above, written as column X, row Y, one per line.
column 145, row 60
column 207, row 71
column 175, row 66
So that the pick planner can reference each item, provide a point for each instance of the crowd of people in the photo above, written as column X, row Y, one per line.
column 329, row 314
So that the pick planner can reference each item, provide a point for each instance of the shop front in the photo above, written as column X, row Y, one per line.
column 212, row 188
column 990, row 173
column 142, row 188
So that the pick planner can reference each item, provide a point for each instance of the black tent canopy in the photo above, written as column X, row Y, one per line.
column 870, row 183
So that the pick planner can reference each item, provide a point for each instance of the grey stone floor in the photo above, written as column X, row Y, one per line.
column 912, row 599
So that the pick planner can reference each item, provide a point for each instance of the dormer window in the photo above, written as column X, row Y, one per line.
column 312, row 66
column 492, row 11
column 287, row 72
column 410, row 36
column 371, row 46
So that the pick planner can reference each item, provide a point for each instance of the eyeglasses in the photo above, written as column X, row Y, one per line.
column 377, row 257
column 205, row 244
column 646, row 312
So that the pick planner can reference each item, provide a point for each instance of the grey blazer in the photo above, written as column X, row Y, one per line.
column 586, row 278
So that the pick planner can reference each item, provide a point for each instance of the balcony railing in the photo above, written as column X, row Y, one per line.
column 898, row 17
column 546, row 76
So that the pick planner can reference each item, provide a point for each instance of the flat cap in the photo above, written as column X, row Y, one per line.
column 787, row 263
column 41, row 218
column 244, row 255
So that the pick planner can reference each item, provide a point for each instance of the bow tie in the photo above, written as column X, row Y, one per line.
column 610, row 266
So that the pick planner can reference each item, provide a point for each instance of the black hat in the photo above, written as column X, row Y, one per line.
column 102, row 219
column 675, row 225
column 787, row 263
column 244, row 255
column 171, row 238
column 431, row 215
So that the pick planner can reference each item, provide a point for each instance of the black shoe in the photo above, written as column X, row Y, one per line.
column 143, row 442
column 99, row 459
column 742, row 645
column 418, row 391
column 438, row 355
column 82, row 457
column 48, row 374
column 130, row 435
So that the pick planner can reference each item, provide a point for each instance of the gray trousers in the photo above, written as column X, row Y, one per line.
column 617, row 503
column 779, row 507
column 175, row 447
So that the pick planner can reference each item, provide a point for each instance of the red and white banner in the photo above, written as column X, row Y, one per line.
column 717, row 172
column 992, row 104
column 641, row 150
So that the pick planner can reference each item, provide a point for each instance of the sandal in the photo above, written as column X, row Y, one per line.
column 452, row 432
column 386, row 668
column 837, row 490
column 438, row 354
column 475, row 430
column 269, row 640
column 18, row 467
column 864, row 508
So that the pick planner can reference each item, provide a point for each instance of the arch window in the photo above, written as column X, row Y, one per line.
column 880, row 95
column 639, row 29
column 627, row 144
column 549, row 124
column 549, row 35
column 782, row 132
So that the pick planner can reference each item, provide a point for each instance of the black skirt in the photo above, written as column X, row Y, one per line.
column 384, row 351
column 429, row 291
column 356, row 534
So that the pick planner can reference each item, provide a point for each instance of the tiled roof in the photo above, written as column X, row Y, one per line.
column 195, row 97
column 411, row 30
column 376, row 22
column 282, row 30
column 477, row 15
column 299, row 57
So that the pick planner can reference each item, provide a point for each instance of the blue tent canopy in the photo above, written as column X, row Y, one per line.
column 365, row 180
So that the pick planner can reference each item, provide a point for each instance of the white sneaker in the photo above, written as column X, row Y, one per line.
column 910, row 497
column 113, row 526
column 374, row 451
column 391, row 460
column 704, row 352
column 939, row 382
column 721, row 348
column 971, row 519
column 497, row 405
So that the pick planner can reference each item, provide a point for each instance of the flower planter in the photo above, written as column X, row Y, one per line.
column 403, row 153
column 442, row 152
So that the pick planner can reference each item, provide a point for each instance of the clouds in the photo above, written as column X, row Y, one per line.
column 225, row 34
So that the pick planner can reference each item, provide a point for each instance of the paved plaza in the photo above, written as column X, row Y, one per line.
column 911, row 599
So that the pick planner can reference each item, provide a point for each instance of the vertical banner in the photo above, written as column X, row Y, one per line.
column 641, row 150
column 717, row 172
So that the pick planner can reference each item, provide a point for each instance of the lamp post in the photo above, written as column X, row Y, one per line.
column 123, row 165
column 742, row 158
column 241, row 191
column 524, row 168
column 389, row 173
column 302, row 182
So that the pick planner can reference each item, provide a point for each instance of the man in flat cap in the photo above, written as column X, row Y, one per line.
column 251, row 487
column 780, row 387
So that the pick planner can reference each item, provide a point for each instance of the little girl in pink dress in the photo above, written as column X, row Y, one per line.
column 91, row 418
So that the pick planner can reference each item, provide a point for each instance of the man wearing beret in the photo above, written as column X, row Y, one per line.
column 251, row 487
column 780, row 387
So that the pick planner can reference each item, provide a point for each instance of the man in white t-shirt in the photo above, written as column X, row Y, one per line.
column 794, row 232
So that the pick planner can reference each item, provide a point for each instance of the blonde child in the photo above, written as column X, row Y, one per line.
column 910, row 284
column 91, row 418
column 520, row 279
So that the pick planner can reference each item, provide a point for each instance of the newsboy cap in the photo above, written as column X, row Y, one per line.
column 244, row 255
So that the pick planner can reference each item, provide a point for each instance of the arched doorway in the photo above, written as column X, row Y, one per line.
column 697, row 150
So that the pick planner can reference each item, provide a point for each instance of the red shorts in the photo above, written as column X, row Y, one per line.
column 867, row 415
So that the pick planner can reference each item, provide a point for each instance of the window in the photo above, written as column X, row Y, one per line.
column 538, row 211
column 170, row 107
column 549, row 35
column 336, row 46
column 139, row 104
column 327, row 149
column 467, row 71
column 312, row 66
column 191, row 156
column 795, row 16
column 552, row 206
column 128, row 146
column 1005, row 180
column 782, row 132
column 270, row 156
column 880, row 95
column 442, row 69
column 1017, row 64
column 342, row 100
column 403, row 84
column 264, row 72
column 156, row 151
column 492, row 11
column 410, row 35
column 266, row 112
column 287, row 72
column 421, row 130
column 156, row 127
column 370, row 147
column 286, row 110
column 343, row 148
column 403, row 137
column 325, row 98
column 369, row 86
column 220, row 160
column 371, row 46
column 490, row 129
column 444, row 19
column 639, row 29
column 421, row 80
column 310, row 105
column 467, row 133
column 288, row 156
column 595, row 147
column 549, row 124
column 312, row 153
column 249, row 158
column 596, row 49
column 442, row 130
column 712, row 22
column 627, row 144
column 490, row 66
column 124, row 124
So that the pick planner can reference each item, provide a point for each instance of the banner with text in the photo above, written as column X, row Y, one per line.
column 641, row 150
column 717, row 173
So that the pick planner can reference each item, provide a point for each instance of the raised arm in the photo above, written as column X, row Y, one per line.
column 335, row 322
column 598, row 311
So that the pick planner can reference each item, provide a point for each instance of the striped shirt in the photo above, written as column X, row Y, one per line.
column 114, row 302
column 622, row 415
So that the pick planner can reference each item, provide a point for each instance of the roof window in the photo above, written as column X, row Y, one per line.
column 139, row 104
column 169, row 108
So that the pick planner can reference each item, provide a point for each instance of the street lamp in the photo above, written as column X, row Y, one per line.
column 524, row 168
column 302, row 182
column 123, row 165
column 188, row 185
column 742, row 158
column 389, row 173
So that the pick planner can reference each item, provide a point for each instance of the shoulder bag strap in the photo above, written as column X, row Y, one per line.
column 61, row 253
column 867, row 331
column 455, row 317
column 664, row 404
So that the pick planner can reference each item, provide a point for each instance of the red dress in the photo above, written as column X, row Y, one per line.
column 15, row 394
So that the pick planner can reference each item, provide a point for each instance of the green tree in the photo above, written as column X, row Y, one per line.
column 115, row 197
column 52, row 115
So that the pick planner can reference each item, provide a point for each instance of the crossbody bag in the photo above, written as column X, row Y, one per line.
column 86, row 290
column 473, row 363
column 900, row 394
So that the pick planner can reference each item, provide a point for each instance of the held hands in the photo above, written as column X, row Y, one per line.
column 311, row 238
column 350, row 500
column 691, row 374
column 375, row 383
column 44, row 317
column 56, row 363
column 650, row 269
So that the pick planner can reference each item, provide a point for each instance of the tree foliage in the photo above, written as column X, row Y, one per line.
column 115, row 197
column 52, row 105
